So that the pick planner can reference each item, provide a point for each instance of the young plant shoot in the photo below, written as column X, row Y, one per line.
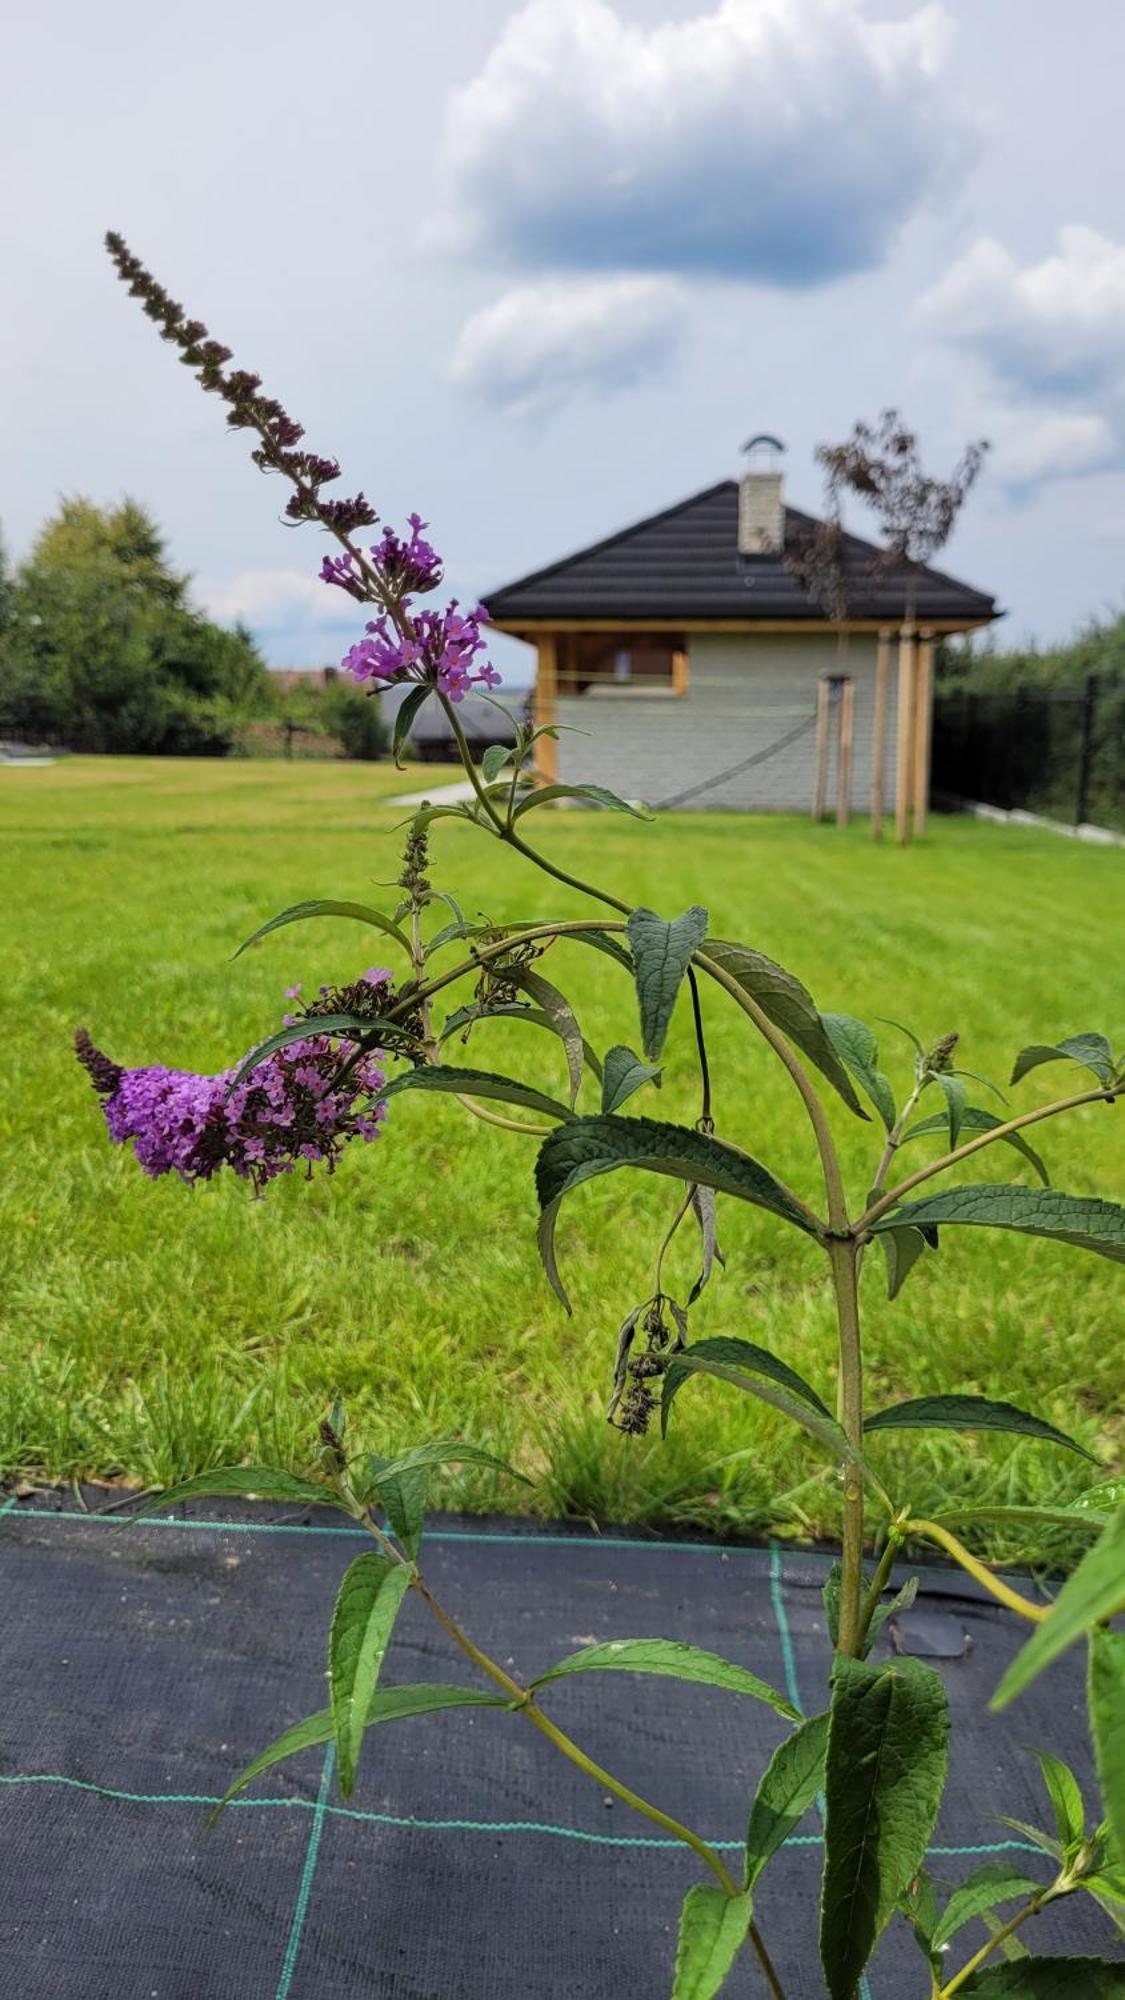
column 876, row 1756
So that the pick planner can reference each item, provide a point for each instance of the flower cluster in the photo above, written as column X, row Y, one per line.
column 401, row 566
column 297, row 1105
column 439, row 647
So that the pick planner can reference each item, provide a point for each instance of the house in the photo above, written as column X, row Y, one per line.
column 697, row 668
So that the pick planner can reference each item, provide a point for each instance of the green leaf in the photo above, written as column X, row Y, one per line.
column 789, row 1784
column 511, row 1010
column 245, row 1482
column 967, row 1413
column 1048, row 1979
column 1091, row 1052
column 1026, row 1517
column 901, row 1601
column 955, row 1095
column 388, row 1705
column 759, row 1373
column 323, row 907
column 367, row 1605
column 493, row 762
column 404, row 717
column 1065, row 1795
column 476, row 1083
column 1104, row 1498
column 884, row 1777
column 901, row 1249
column 703, row 1208
column 713, row 1929
column 440, row 1451
column 622, row 1074
column 790, row 1006
column 402, row 1496
column 673, row 1660
column 1107, row 1724
column 857, row 1047
column 587, row 1147
column 594, row 795
column 985, row 1889
column 561, row 1017
column 355, row 1027
column 1094, row 1592
column 974, row 1119
column 1067, row 1218
column 661, row 955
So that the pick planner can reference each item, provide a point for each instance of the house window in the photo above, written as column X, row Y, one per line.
column 608, row 665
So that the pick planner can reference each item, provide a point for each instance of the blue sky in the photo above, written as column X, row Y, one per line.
column 539, row 270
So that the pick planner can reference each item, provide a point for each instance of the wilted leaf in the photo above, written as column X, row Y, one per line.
column 588, row 1147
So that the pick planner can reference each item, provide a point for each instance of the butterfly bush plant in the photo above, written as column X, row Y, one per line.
column 875, row 1758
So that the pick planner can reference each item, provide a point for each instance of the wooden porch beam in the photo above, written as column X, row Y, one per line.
column 544, row 709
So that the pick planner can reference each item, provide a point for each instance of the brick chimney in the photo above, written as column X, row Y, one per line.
column 761, row 509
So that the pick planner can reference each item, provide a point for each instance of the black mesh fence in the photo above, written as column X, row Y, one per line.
column 1059, row 751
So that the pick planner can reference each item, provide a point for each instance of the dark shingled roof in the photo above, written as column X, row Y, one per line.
column 684, row 565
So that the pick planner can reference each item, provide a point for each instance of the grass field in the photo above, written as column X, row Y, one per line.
column 149, row 1330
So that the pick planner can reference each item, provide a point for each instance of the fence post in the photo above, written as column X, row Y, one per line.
column 844, row 753
column 879, row 730
column 820, row 782
column 1086, row 754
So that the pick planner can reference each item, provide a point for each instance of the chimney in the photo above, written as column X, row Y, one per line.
column 761, row 510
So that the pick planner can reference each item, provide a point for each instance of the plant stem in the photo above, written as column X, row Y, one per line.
column 705, row 1119
column 894, row 1136
column 826, row 1145
column 1006, row 1931
column 843, row 1257
column 523, row 1700
column 1002, row 1592
column 971, row 1146
column 878, row 1585
column 468, row 766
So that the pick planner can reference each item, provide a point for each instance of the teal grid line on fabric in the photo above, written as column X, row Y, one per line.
column 532, row 1540
column 407, row 1824
column 304, row 1888
column 9, row 1503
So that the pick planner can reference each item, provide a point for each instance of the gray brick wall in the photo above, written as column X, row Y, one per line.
column 746, row 692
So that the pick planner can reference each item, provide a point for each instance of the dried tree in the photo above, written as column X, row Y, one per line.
column 881, row 464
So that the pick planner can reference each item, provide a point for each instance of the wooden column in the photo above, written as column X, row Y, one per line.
column 823, row 712
column 923, row 724
column 544, row 710
column 844, row 756
column 904, row 763
column 879, row 730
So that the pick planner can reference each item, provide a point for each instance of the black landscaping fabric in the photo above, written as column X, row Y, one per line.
column 142, row 1666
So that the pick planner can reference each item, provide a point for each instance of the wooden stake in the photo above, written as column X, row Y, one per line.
column 904, row 761
column 544, row 711
column 820, row 788
column 923, row 722
column 844, row 759
column 879, row 730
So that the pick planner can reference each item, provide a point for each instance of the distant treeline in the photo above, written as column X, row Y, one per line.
column 101, row 649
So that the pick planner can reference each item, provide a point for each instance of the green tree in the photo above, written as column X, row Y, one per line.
column 103, row 651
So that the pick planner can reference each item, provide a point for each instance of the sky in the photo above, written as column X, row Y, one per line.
column 539, row 270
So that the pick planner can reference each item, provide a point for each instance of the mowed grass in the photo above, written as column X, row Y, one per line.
column 150, row 1330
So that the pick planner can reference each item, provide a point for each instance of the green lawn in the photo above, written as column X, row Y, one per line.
column 149, row 1330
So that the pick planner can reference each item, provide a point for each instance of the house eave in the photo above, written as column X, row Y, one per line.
column 532, row 629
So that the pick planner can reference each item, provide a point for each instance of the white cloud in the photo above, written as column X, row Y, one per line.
column 1048, row 341
column 276, row 600
column 533, row 347
column 1053, row 328
column 780, row 141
